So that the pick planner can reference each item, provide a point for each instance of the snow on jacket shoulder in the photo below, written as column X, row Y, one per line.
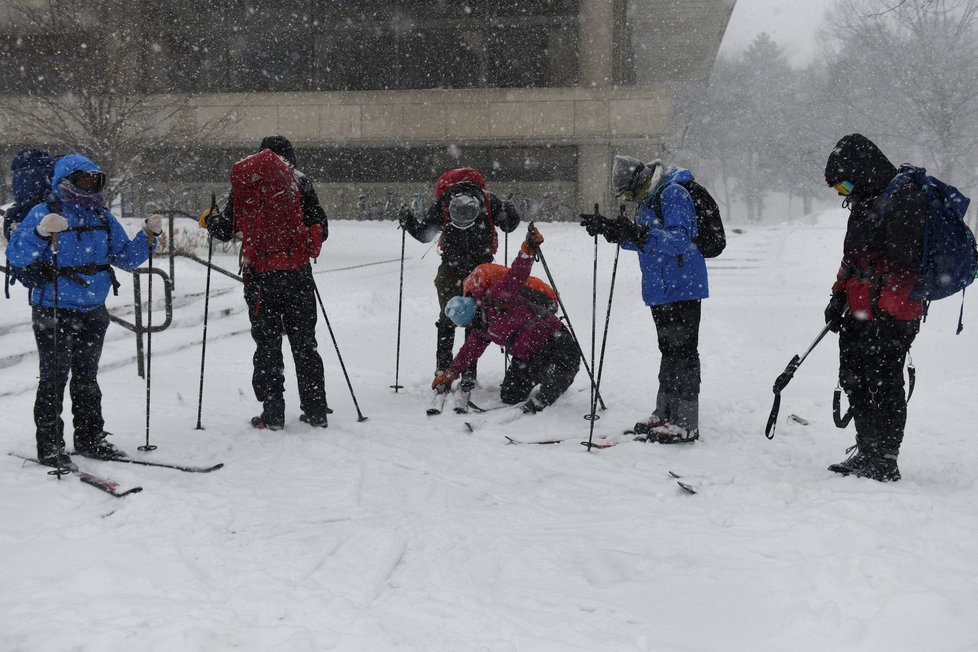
column 81, row 245
column 673, row 269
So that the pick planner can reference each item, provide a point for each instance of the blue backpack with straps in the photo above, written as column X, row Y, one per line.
column 949, row 261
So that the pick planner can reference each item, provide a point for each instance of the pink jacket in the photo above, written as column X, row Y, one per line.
column 506, row 318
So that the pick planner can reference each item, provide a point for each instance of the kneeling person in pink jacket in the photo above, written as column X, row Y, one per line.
column 543, row 351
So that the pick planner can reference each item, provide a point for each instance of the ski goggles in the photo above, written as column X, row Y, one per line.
column 87, row 181
column 843, row 188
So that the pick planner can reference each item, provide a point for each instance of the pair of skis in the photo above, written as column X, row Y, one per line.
column 112, row 487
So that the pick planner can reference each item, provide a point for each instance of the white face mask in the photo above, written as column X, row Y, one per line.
column 463, row 211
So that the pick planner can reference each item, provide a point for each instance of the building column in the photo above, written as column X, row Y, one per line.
column 597, row 19
column 594, row 179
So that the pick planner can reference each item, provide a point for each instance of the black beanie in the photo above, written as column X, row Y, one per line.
column 280, row 145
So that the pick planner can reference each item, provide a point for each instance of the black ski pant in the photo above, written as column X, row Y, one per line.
column 677, row 326
column 448, row 284
column 80, row 336
column 553, row 367
column 872, row 354
column 284, row 303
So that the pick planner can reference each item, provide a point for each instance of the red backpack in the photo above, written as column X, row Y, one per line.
column 268, row 212
column 537, row 292
column 464, row 175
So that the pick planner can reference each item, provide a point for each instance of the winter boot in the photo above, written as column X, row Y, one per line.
column 659, row 417
column 55, row 456
column 853, row 464
column 646, row 427
column 272, row 416
column 534, row 405
column 671, row 433
column 882, row 469
column 315, row 420
column 98, row 448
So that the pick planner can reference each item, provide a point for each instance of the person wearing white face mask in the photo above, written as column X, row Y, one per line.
column 464, row 216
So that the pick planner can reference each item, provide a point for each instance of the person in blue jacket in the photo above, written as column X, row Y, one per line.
column 69, row 316
column 674, row 282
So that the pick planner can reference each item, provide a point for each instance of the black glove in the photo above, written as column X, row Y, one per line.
column 623, row 229
column 835, row 310
column 594, row 224
column 405, row 217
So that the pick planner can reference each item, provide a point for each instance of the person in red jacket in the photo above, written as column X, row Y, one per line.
column 281, row 294
column 543, row 350
column 870, row 306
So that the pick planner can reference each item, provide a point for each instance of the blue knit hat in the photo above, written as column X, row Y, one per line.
column 461, row 310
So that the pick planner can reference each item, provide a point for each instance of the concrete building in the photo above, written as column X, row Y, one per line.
column 378, row 96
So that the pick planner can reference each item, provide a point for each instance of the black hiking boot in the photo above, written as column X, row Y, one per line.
column 881, row 469
column 315, row 420
column 261, row 423
column 645, row 427
column 57, row 459
column 534, row 405
column 670, row 433
column 272, row 415
column 855, row 463
column 98, row 448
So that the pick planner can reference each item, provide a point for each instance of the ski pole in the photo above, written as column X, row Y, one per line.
column 60, row 470
column 207, row 299
column 783, row 380
column 400, row 303
column 560, row 302
column 336, row 346
column 594, row 303
column 604, row 343
column 149, row 344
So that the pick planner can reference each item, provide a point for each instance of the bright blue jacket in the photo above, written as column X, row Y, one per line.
column 76, row 248
column 673, row 269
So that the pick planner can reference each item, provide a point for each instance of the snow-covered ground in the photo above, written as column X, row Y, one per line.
column 409, row 532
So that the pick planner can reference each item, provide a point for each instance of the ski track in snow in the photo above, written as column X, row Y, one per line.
column 409, row 532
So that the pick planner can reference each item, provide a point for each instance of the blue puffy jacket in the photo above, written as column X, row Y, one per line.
column 76, row 248
column 673, row 269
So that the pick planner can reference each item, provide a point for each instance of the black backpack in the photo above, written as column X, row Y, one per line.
column 711, row 239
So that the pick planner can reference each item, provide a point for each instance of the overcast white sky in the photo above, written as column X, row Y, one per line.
column 791, row 23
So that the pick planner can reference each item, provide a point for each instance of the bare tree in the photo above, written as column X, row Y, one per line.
column 909, row 73
column 96, row 106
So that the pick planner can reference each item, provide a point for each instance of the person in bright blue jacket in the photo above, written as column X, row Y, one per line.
column 68, row 301
column 674, row 282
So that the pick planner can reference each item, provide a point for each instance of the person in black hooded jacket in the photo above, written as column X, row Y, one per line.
column 870, row 306
column 465, row 217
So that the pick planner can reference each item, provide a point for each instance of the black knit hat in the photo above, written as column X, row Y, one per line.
column 280, row 145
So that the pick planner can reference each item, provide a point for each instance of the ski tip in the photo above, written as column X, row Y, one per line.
column 685, row 486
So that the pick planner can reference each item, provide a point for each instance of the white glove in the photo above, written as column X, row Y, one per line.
column 51, row 223
column 153, row 226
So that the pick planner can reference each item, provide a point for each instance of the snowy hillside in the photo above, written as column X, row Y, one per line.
column 409, row 532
